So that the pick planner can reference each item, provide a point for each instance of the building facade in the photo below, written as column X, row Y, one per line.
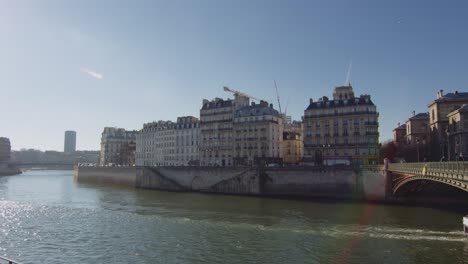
column 216, row 135
column 118, row 146
column 458, row 134
column 417, row 129
column 293, row 142
column 165, row 143
column 439, row 109
column 155, row 144
column 399, row 135
column 5, row 150
column 187, row 136
column 341, row 131
column 69, row 145
column 292, row 147
column 257, row 135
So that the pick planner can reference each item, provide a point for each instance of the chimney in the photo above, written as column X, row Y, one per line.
column 440, row 93
column 414, row 113
column 398, row 125
column 456, row 92
column 311, row 101
column 271, row 105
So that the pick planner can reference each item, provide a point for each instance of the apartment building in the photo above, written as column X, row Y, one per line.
column 118, row 146
column 343, row 130
column 258, row 135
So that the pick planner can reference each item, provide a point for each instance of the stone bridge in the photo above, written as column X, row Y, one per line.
column 454, row 174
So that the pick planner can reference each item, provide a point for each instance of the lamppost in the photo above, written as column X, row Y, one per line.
column 447, row 131
column 417, row 148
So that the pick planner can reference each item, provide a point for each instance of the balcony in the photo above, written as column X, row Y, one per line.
column 371, row 123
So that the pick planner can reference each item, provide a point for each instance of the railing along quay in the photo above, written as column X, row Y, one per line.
column 7, row 260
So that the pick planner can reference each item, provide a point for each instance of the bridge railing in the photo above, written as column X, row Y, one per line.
column 453, row 169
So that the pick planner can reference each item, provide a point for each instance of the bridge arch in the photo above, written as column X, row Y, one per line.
column 404, row 180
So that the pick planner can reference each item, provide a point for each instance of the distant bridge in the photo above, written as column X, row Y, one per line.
column 42, row 165
column 454, row 174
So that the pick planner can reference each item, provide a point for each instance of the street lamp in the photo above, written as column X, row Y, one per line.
column 417, row 144
column 447, row 131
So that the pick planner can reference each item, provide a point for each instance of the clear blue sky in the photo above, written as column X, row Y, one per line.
column 159, row 59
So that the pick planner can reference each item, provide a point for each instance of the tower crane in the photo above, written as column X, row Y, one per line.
column 277, row 97
column 227, row 89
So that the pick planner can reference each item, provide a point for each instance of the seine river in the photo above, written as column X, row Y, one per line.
column 45, row 217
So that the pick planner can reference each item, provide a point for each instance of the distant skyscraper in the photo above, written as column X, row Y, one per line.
column 5, row 150
column 70, row 142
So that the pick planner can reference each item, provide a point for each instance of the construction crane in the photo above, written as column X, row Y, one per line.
column 227, row 89
column 277, row 97
column 286, row 108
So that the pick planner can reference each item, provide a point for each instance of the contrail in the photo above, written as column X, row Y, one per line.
column 349, row 72
column 91, row 73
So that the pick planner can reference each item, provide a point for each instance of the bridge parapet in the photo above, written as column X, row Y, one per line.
column 451, row 173
column 438, row 169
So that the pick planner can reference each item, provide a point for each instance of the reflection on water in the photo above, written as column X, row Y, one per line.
column 46, row 217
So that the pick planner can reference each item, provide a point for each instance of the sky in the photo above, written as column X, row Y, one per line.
column 85, row 65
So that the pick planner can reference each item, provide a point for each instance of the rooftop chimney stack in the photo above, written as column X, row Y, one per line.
column 440, row 93
column 414, row 113
column 398, row 124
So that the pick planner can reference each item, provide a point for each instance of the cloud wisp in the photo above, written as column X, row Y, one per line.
column 92, row 73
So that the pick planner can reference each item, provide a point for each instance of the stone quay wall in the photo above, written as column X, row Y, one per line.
column 324, row 182
column 106, row 175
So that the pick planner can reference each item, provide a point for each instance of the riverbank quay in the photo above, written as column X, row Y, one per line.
column 341, row 182
column 8, row 170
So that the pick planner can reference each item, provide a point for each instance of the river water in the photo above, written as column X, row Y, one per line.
column 45, row 217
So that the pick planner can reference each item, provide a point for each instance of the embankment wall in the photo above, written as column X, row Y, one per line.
column 329, row 182
column 106, row 175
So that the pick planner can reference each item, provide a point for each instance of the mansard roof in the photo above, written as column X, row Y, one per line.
column 454, row 96
column 217, row 103
column 256, row 110
column 401, row 127
column 420, row 116
column 363, row 100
